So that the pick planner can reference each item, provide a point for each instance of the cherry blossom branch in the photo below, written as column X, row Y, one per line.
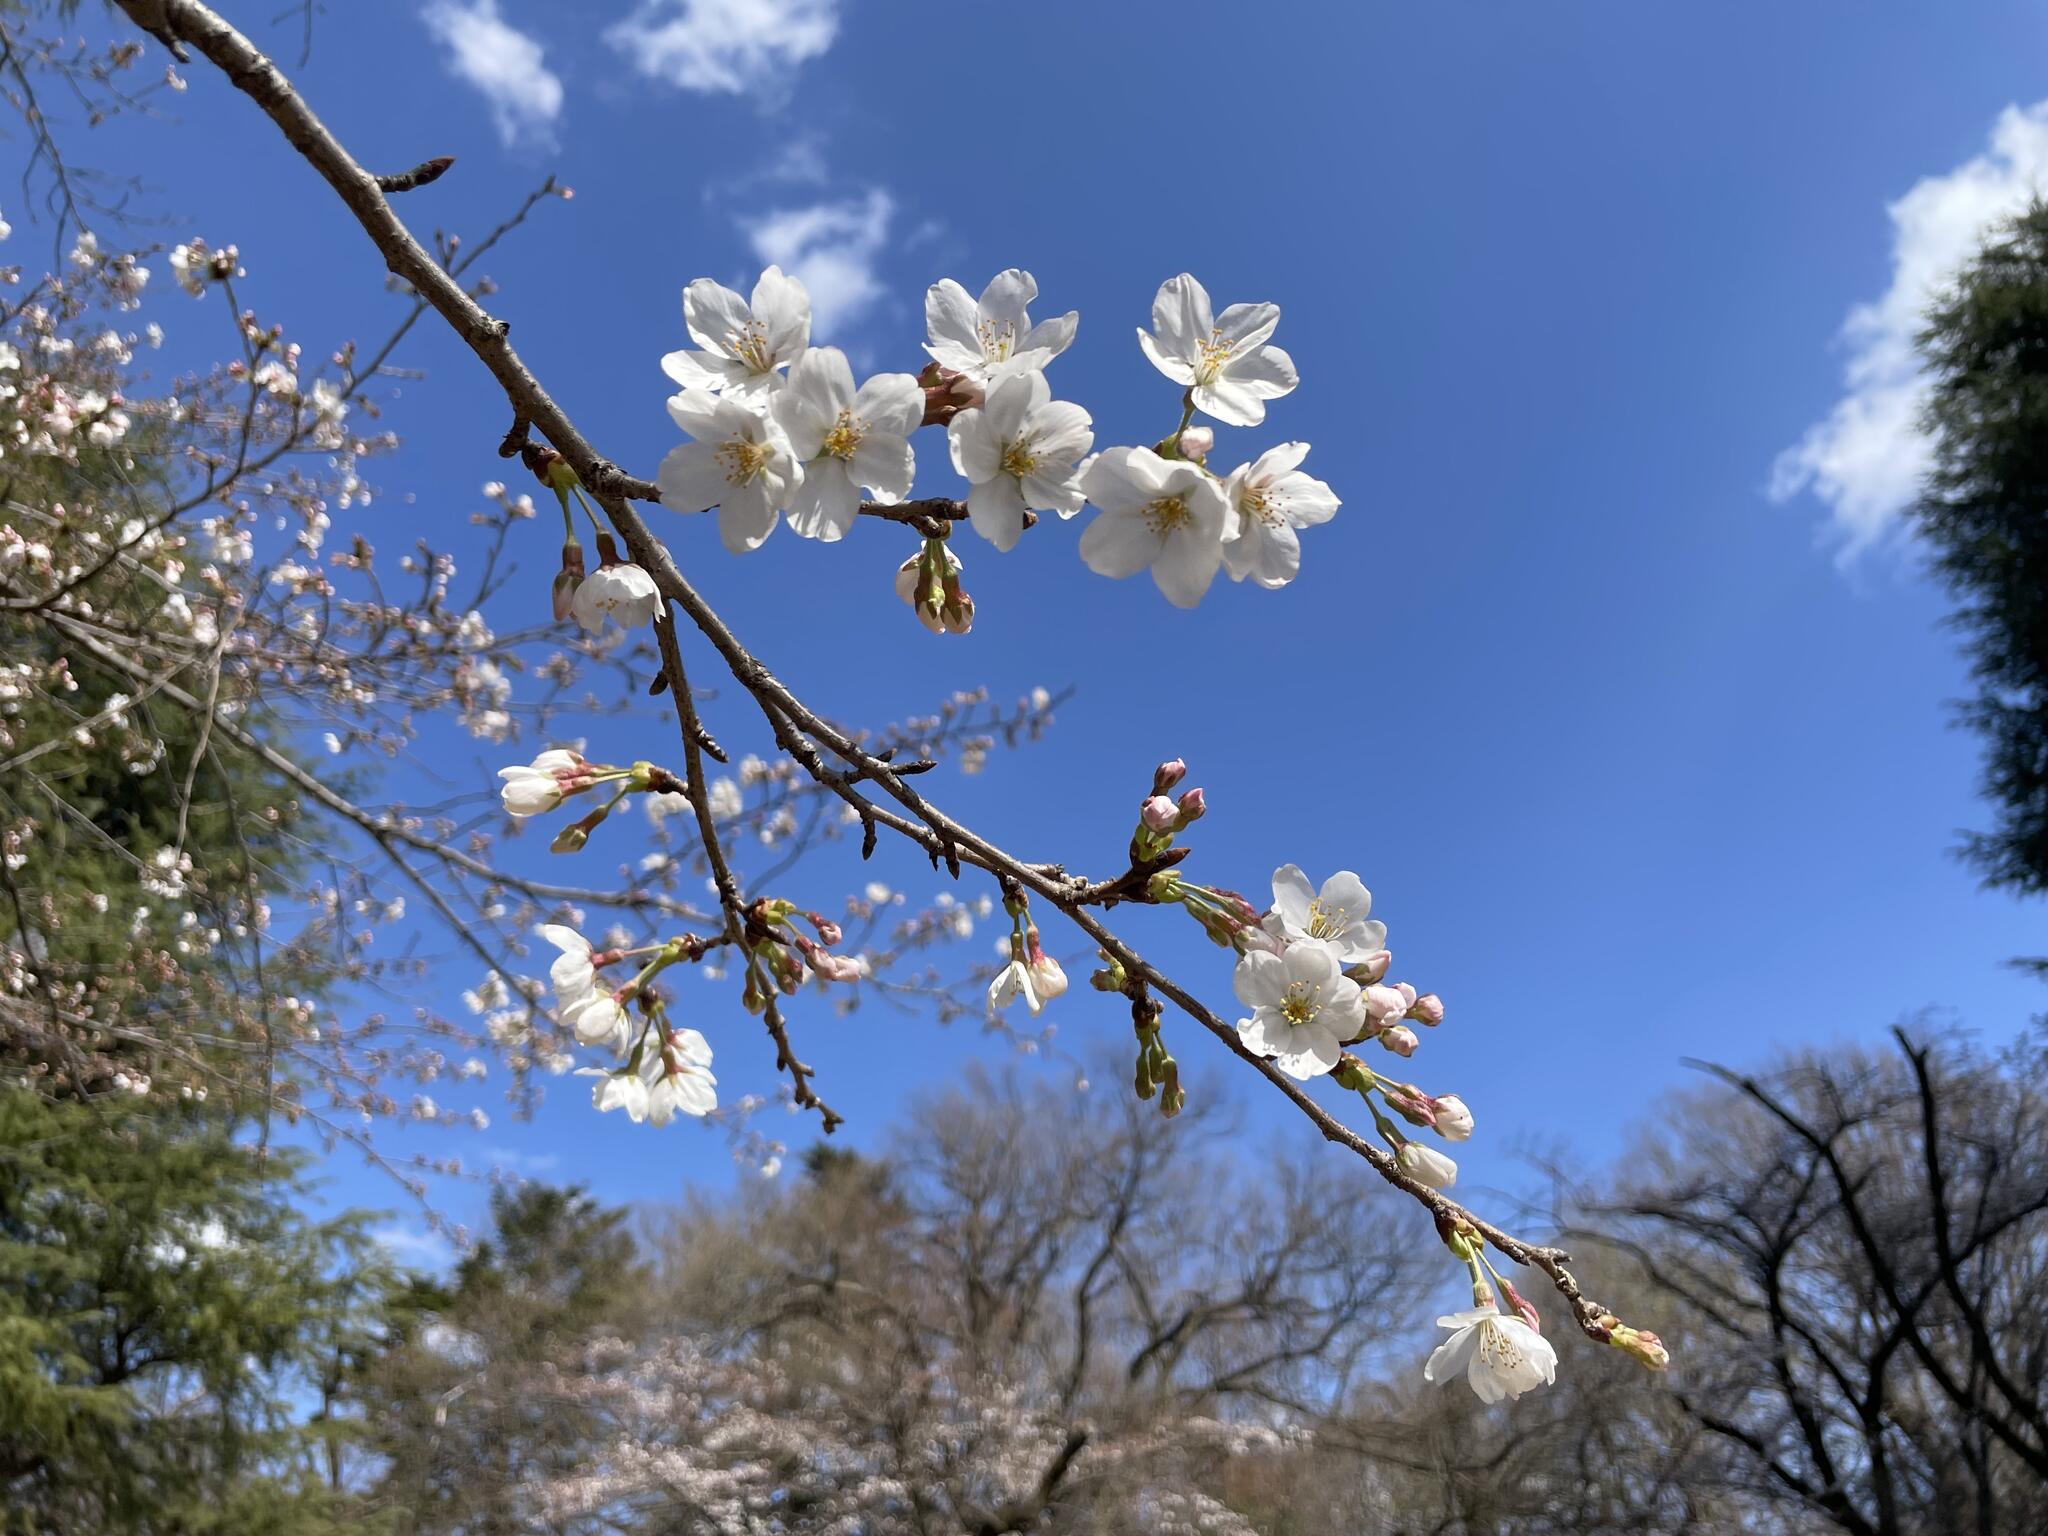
column 939, row 835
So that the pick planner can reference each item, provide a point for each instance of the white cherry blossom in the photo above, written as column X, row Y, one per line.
column 598, row 1018
column 1501, row 1356
column 1013, row 981
column 845, row 439
column 572, row 973
column 745, row 345
column 1225, row 361
column 1019, row 451
column 533, row 788
column 1272, row 498
column 678, row 1077
column 1303, row 1006
column 1339, row 913
column 1165, row 514
column 741, row 463
column 617, row 1090
column 993, row 338
column 623, row 593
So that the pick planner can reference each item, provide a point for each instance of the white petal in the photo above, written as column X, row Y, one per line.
column 1119, row 544
column 977, row 452
column 885, row 465
column 691, row 478
column 713, row 314
column 1186, row 566
column 826, row 506
column 996, row 508
column 745, row 518
column 891, row 404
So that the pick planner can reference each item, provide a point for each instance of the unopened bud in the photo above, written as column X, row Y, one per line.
column 1371, row 969
column 1638, row 1342
column 1401, row 1040
column 1193, row 806
column 947, row 394
column 1163, row 887
column 1197, row 443
column 957, row 612
column 1110, row 978
column 1453, row 1119
column 1160, row 814
column 568, row 579
column 1426, row 1165
column 827, row 929
column 1521, row 1306
column 1428, row 1009
column 1166, row 775
column 570, row 839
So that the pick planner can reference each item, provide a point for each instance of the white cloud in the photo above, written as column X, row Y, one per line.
column 503, row 63
column 1866, row 459
column 738, row 47
column 833, row 247
column 415, row 1246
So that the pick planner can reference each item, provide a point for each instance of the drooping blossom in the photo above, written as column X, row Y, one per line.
column 1226, row 362
column 845, row 439
column 678, row 1077
column 621, row 592
column 1019, row 452
column 1303, row 1006
column 745, row 346
column 1163, row 514
column 1272, row 498
column 598, row 1017
column 1340, row 913
column 1013, row 981
column 740, row 462
column 993, row 337
column 1500, row 1356
column 572, row 973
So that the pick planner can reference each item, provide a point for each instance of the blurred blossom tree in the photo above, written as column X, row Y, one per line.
column 1029, row 1316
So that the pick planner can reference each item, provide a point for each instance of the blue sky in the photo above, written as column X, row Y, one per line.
column 1636, row 727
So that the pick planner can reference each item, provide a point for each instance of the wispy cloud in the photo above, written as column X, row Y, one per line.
column 834, row 247
column 503, row 63
column 416, row 1246
column 1866, row 459
column 731, row 47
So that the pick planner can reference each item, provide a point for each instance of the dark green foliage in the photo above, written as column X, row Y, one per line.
column 167, row 1315
column 1985, row 514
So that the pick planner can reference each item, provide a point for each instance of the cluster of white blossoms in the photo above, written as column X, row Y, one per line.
column 779, row 429
column 666, row 1069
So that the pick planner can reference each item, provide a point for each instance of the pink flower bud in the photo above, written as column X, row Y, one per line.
column 1166, row 775
column 1192, row 806
column 1521, row 1306
column 1401, row 1040
column 1428, row 1009
column 568, row 579
column 827, row 929
column 1197, row 443
column 1160, row 814
column 1383, row 1005
column 1371, row 969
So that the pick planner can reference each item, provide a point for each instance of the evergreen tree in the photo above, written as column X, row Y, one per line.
column 1985, row 513
column 166, row 1313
